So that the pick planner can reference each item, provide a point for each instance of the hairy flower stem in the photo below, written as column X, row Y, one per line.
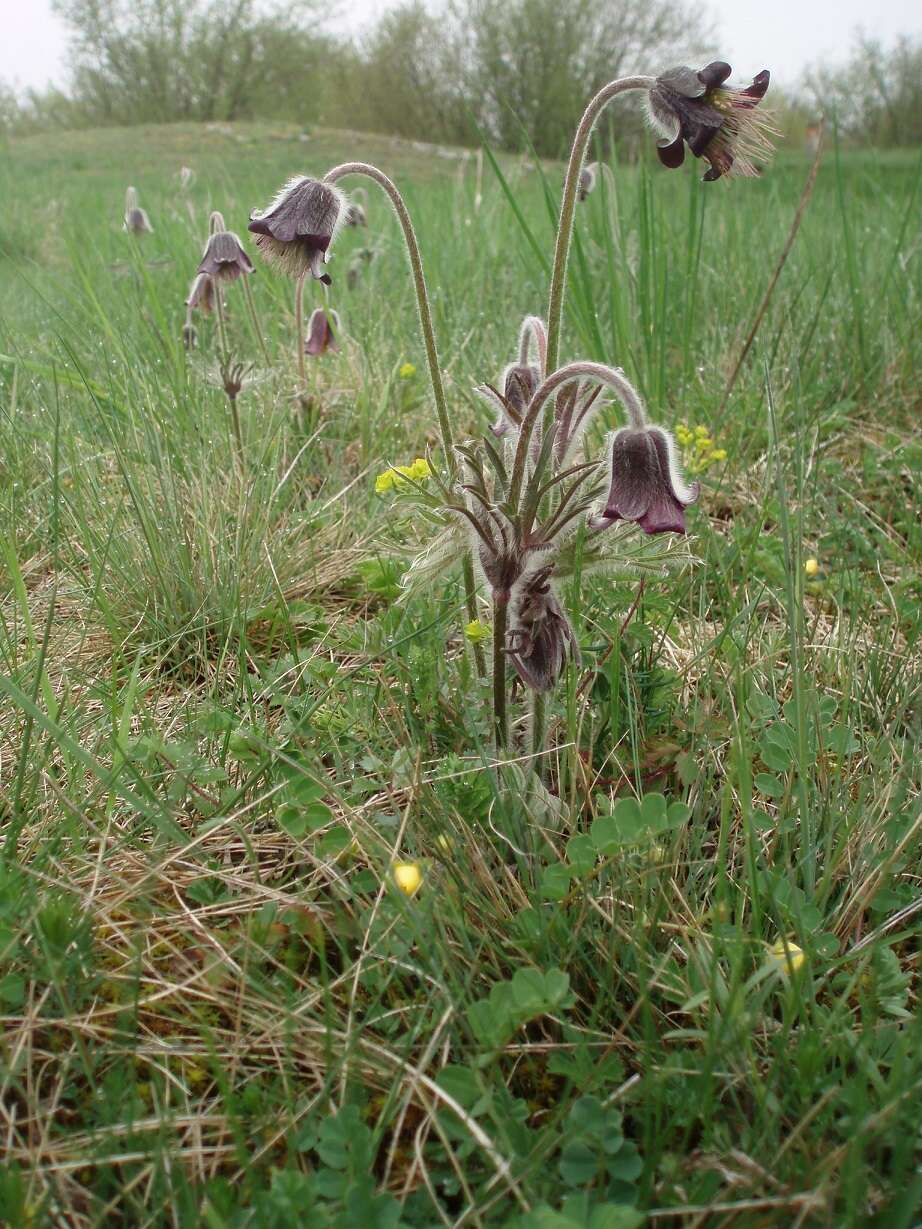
column 500, row 725
column 251, row 306
column 609, row 376
column 222, row 327
column 432, row 354
column 568, row 205
column 238, row 431
column 538, row 727
column 299, row 330
column 422, row 294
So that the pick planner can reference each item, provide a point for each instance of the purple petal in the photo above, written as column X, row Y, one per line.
column 671, row 153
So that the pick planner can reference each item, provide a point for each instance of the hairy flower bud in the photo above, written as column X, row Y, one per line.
column 587, row 179
column 645, row 484
column 541, row 637
column 202, row 294
column 320, row 337
column 296, row 230
column 224, row 257
column 136, row 220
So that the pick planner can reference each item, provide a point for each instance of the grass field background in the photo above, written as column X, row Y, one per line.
column 220, row 728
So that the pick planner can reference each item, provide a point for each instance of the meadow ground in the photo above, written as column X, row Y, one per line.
column 220, row 729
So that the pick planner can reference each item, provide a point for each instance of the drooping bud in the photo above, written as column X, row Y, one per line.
column 202, row 294
column 224, row 257
column 541, row 637
column 320, row 336
column 645, row 483
column 136, row 220
column 587, row 179
column 296, row 230
column 189, row 335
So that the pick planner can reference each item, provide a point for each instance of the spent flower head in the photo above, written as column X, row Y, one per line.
column 717, row 122
column 295, row 231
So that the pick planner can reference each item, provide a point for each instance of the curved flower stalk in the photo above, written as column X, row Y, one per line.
column 424, row 309
column 697, row 109
column 225, row 260
column 295, row 233
column 526, row 496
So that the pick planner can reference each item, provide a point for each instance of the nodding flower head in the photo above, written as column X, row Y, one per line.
column 520, row 379
column 296, row 230
column 541, row 637
column 202, row 294
column 136, row 220
column 721, row 124
column 320, row 337
column 224, row 257
column 645, row 483
column 587, row 179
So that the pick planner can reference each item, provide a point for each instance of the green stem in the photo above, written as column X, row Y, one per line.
column 470, row 602
column 538, row 725
column 238, row 431
column 568, row 205
column 422, row 294
column 299, row 329
column 248, row 295
column 222, row 327
column 432, row 355
column 500, row 727
column 611, row 376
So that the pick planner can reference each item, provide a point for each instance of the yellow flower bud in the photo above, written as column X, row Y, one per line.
column 786, row 956
column 811, row 567
column 407, row 371
column 477, row 631
column 408, row 877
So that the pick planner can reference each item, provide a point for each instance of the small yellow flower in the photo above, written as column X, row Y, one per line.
column 477, row 631
column 408, row 877
column 702, row 432
column 786, row 956
column 407, row 371
column 396, row 475
column 719, row 454
column 811, row 567
column 703, row 443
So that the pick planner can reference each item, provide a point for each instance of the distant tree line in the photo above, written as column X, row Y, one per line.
column 517, row 71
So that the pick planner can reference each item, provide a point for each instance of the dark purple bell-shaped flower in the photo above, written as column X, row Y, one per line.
column 320, row 337
column 224, row 257
column 646, row 484
column 721, row 124
column 296, row 230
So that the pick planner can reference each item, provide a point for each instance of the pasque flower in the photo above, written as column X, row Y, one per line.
column 719, row 123
column 320, row 336
column 224, row 257
column 136, row 220
column 202, row 294
column 541, row 638
column 645, row 484
column 296, row 230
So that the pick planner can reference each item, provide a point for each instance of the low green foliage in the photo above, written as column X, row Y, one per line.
column 675, row 980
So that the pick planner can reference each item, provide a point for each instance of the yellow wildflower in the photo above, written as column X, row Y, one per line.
column 786, row 956
column 719, row 454
column 702, row 432
column 408, row 877
column 407, row 371
column 477, row 631
column 396, row 475
column 811, row 567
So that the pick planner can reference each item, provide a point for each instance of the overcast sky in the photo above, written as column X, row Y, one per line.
column 784, row 35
